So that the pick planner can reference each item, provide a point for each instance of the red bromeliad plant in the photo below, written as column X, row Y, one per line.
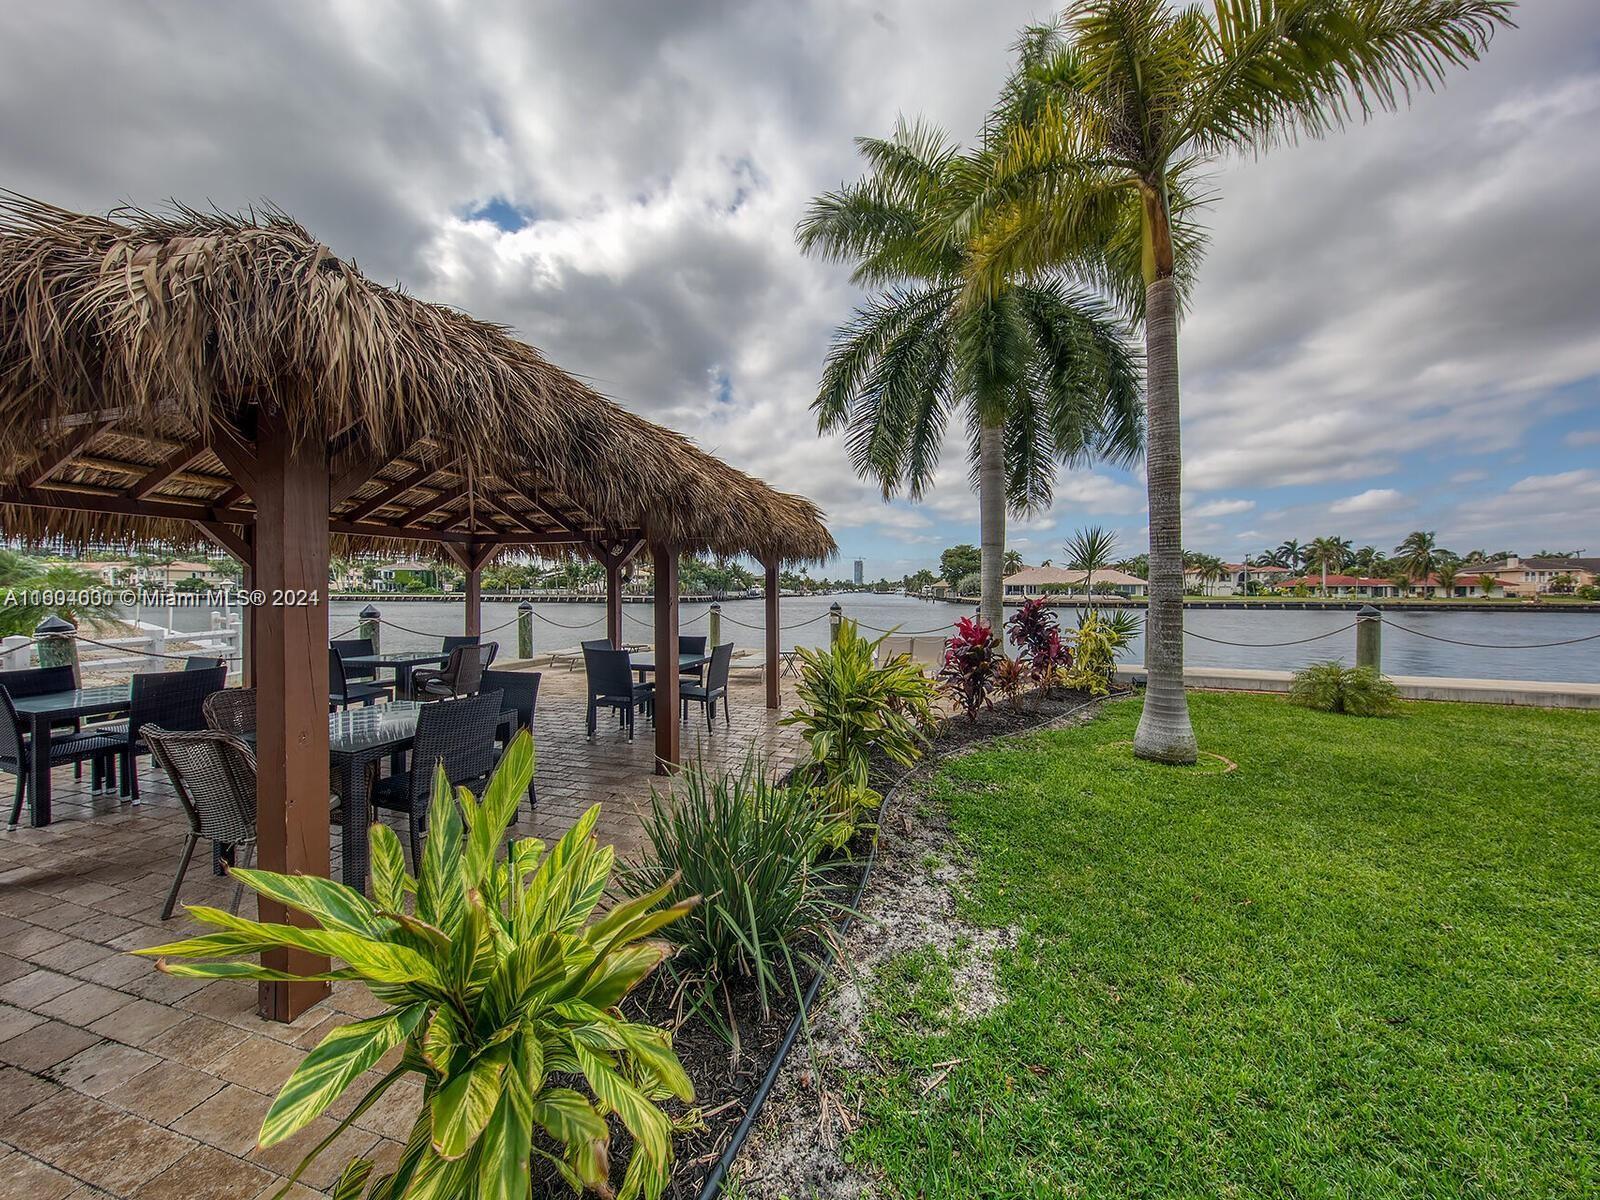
column 1034, row 629
column 970, row 665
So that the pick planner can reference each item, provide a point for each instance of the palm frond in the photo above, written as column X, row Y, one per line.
column 1276, row 69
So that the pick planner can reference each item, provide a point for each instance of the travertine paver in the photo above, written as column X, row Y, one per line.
column 117, row 1081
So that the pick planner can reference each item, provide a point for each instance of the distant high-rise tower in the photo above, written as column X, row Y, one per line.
column 861, row 571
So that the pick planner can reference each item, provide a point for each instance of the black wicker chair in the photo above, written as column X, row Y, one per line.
column 692, row 644
column 459, row 677
column 197, row 662
column 232, row 710
column 42, row 681
column 611, row 685
column 458, row 733
column 16, row 750
column 521, row 693
column 714, row 687
column 214, row 774
column 171, row 700
column 349, row 648
column 455, row 640
column 344, row 691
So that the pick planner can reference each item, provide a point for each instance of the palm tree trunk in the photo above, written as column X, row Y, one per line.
column 1164, row 732
column 992, row 525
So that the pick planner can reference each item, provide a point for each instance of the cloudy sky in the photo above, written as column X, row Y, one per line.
column 1397, row 328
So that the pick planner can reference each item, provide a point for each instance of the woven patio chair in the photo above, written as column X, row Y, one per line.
column 611, row 685
column 172, row 700
column 459, row 677
column 713, row 688
column 16, row 751
column 458, row 733
column 694, row 643
column 233, row 710
column 214, row 774
column 521, row 692
column 344, row 691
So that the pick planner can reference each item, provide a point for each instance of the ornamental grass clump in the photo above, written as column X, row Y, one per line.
column 1333, row 687
column 851, row 708
column 749, row 844
column 501, row 989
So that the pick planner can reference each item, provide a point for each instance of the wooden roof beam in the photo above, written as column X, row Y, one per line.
column 394, row 491
column 63, row 452
column 175, row 462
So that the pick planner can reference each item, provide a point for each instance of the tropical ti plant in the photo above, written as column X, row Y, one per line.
column 970, row 662
column 1039, row 372
column 1011, row 678
column 1036, row 631
column 1101, row 138
column 749, row 844
column 500, row 987
column 851, row 708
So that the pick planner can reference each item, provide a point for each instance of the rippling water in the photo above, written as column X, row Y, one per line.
column 416, row 624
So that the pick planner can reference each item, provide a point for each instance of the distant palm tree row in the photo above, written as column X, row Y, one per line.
column 1415, row 559
column 1089, row 174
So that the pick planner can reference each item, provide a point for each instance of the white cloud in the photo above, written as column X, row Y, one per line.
column 1583, row 437
column 1220, row 508
column 1371, row 500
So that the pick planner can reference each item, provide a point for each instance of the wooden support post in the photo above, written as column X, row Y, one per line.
column 772, row 635
column 668, row 732
column 291, row 661
column 473, row 625
column 471, row 558
column 613, row 566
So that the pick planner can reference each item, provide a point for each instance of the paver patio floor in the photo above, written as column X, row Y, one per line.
column 116, row 1080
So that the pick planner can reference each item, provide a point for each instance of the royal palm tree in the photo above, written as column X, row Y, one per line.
column 1330, row 554
column 1420, row 556
column 1014, row 562
column 1101, row 135
column 1090, row 550
column 1040, row 372
column 1292, row 554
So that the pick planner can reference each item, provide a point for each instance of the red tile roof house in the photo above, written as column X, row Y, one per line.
column 1360, row 585
column 1516, row 576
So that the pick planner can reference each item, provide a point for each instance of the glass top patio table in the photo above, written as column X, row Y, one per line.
column 401, row 658
column 686, row 662
column 42, row 712
column 83, row 702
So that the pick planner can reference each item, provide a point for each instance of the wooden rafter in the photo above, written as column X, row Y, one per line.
column 175, row 462
column 352, row 475
column 231, row 540
column 394, row 491
column 237, row 455
column 63, row 452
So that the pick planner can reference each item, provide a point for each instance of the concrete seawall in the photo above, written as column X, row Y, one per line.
column 1530, row 692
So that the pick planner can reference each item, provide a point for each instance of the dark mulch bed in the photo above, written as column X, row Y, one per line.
column 724, row 1089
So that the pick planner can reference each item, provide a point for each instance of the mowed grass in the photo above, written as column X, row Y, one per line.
column 1366, row 964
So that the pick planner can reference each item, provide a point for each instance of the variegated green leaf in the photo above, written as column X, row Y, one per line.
column 338, row 1060
column 652, row 1132
column 441, row 890
column 247, row 970
column 390, row 883
column 508, row 1138
column 383, row 962
column 614, row 975
column 570, row 1119
column 464, row 1104
column 352, row 1180
column 489, row 820
column 333, row 904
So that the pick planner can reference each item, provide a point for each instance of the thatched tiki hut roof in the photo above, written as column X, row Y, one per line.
column 198, row 375
column 135, row 353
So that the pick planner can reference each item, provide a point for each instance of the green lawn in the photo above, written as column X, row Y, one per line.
column 1367, row 963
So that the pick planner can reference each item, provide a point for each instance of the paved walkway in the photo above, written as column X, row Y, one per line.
column 117, row 1081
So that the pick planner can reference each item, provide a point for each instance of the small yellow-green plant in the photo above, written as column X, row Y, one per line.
column 501, row 989
column 852, row 707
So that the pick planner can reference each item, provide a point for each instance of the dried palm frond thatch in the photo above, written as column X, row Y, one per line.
column 127, row 341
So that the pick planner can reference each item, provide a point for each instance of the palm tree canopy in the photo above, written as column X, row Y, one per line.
column 1046, row 362
column 1091, row 549
column 1115, row 110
